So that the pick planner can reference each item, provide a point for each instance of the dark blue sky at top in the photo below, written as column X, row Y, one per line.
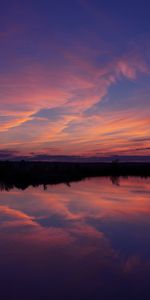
column 65, row 20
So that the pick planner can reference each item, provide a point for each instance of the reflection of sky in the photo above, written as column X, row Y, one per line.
column 74, row 77
column 79, row 240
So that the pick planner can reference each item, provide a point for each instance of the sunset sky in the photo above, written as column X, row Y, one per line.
column 74, row 77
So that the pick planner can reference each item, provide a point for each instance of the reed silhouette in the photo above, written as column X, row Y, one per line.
column 22, row 174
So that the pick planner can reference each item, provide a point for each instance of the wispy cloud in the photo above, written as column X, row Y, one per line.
column 62, row 100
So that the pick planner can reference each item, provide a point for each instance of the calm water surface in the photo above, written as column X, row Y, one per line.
column 87, row 241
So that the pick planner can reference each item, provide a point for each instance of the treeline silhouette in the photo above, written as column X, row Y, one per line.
column 22, row 174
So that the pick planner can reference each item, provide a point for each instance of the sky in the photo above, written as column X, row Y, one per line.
column 74, row 77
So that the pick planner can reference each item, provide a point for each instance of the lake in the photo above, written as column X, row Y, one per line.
column 89, row 240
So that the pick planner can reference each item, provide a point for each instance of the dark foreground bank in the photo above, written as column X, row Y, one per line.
column 24, row 173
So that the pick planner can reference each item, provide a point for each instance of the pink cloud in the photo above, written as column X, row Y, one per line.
column 130, row 67
column 76, row 84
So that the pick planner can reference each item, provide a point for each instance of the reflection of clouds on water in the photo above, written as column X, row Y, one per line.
column 65, row 208
column 93, row 230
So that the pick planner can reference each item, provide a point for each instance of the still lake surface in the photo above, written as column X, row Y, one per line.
column 90, row 240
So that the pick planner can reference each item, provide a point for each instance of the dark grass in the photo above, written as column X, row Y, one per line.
column 22, row 174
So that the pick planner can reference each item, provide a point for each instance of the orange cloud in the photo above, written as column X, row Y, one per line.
column 76, row 85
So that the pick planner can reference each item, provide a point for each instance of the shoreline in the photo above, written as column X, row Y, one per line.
column 22, row 174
